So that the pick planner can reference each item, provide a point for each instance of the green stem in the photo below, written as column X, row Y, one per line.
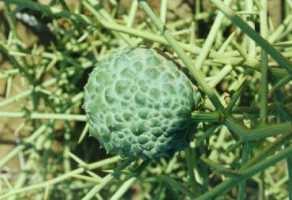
column 104, row 162
column 240, row 49
column 250, row 43
column 197, row 74
column 190, row 48
column 34, row 115
column 278, row 33
column 210, row 39
column 220, row 169
column 266, row 151
column 66, row 176
column 106, row 180
column 132, row 14
column 258, row 133
column 163, row 11
column 102, row 14
column 264, row 80
column 207, row 117
column 268, row 131
column 123, row 189
column 282, row 61
column 246, row 150
column 26, row 93
column 264, row 64
column 20, row 147
column 289, row 166
column 190, row 155
column 280, row 83
column 235, row 97
column 246, row 174
column 44, row 184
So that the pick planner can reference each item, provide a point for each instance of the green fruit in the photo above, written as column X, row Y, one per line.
column 138, row 104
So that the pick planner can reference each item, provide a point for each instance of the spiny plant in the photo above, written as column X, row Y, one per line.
column 240, row 147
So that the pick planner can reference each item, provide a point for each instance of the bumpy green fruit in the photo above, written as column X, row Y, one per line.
column 138, row 104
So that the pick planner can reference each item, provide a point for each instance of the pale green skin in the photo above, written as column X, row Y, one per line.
column 138, row 104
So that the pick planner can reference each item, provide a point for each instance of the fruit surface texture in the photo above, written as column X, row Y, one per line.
column 138, row 104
